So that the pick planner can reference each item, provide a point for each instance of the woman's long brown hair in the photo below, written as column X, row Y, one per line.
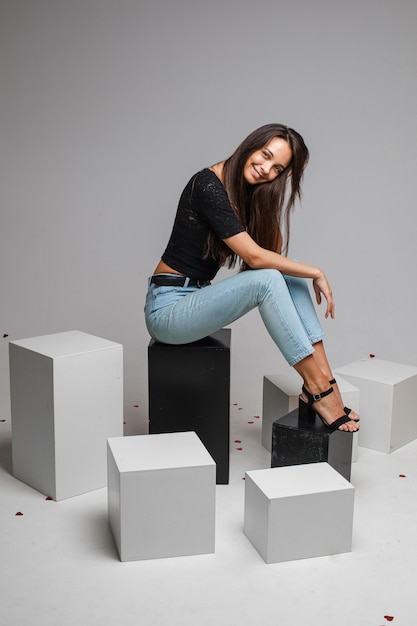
column 263, row 209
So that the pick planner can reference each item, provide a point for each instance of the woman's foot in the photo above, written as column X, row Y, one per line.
column 350, row 412
column 328, row 406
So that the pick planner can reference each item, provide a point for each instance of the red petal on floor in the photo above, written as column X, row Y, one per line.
column 372, row 356
column 389, row 618
column 239, row 448
column 5, row 335
column 234, row 403
column 251, row 422
column 240, row 408
column 2, row 421
column 48, row 498
column 19, row 513
column 136, row 406
column 237, row 441
column 257, row 416
column 402, row 476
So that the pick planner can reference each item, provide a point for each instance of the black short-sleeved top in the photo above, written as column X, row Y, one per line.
column 203, row 207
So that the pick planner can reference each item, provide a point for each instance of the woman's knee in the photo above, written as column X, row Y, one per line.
column 271, row 279
column 264, row 276
column 264, row 283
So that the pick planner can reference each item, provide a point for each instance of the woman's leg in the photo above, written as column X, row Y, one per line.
column 330, row 406
column 300, row 294
column 321, row 358
column 182, row 315
column 299, row 290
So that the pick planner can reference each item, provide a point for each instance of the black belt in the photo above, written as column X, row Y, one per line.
column 169, row 280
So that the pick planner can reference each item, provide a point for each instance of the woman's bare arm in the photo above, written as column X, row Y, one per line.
column 257, row 257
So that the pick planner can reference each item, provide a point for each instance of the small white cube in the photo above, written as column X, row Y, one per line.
column 280, row 397
column 66, row 400
column 161, row 496
column 298, row 512
column 386, row 403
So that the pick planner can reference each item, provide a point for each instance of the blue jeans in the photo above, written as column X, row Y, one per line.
column 178, row 315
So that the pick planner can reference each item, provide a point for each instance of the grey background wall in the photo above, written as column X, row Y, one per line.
column 107, row 107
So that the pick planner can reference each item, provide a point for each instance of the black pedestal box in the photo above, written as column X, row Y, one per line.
column 296, row 441
column 189, row 389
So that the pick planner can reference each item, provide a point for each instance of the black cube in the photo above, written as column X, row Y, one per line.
column 296, row 441
column 189, row 389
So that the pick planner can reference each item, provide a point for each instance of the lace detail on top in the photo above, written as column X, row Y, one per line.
column 203, row 207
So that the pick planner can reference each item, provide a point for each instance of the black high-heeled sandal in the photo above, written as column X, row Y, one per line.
column 306, row 410
column 346, row 409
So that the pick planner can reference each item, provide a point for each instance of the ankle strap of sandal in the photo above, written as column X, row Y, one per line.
column 315, row 397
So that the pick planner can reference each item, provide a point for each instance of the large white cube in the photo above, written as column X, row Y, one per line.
column 66, row 400
column 298, row 512
column 280, row 397
column 387, row 396
column 161, row 496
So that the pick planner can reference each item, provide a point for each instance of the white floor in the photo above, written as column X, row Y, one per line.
column 59, row 566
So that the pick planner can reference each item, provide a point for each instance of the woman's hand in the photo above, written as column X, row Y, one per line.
column 321, row 286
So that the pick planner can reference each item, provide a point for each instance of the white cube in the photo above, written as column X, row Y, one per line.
column 298, row 512
column 161, row 496
column 280, row 397
column 66, row 400
column 386, row 405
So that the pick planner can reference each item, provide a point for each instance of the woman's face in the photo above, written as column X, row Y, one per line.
column 267, row 163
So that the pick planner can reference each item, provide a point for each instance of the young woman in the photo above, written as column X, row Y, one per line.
column 237, row 210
